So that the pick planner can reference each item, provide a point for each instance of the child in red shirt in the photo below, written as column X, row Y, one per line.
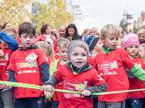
column 131, row 45
column 110, row 64
column 28, row 65
column 77, row 75
column 7, row 46
column 56, row 64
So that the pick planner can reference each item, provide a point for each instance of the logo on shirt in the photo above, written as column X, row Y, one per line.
column 108, row 68
column 31, row 58
column 76, row 87
column 30, row 62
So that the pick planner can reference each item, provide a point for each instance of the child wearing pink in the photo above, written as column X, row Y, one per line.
column 131, row 45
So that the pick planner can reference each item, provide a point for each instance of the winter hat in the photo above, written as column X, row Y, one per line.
column 91, row 41
column 130, row 39
column 77, row 43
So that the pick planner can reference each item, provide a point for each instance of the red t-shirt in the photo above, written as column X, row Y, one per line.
column 77, row 82
column 4, row 64
column 111, row 67
column 25, row 64
column 136, row 83
column 58, row 95
column 91, row 60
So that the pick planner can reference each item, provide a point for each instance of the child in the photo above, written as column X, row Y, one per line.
column 8, row 45
column 85, row 33
column 47, row 48
column 142, row 54
column 63, row 59
column 141, row 35
column 61, row 32
column 63, row 55
column 110, row 64
column 28, row 65
column 94, row 31
column 95, row 45
column 142, row 51
column 77, row 75
column 11, row 31
column 131, row 45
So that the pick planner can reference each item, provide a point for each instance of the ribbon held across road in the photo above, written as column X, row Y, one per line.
column 32, row 86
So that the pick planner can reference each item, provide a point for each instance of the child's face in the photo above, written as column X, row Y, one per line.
column 132, row 50
column 27, row 40
column 93, row 32
column 61, row 32
column 142, row 52
column 48, row 30
column 141, row 37
column 63, row 53
column 111, row 41
column 78, row 57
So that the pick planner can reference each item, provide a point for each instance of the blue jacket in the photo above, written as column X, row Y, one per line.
column 12, row 43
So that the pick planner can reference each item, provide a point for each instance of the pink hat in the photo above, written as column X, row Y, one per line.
column 130, row 39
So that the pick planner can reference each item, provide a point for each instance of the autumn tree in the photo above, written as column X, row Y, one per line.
column 15, row 11
column 54, row 13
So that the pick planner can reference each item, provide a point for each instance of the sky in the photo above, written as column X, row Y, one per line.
column 97, row 13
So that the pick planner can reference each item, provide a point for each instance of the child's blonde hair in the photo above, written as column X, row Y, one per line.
column 86, row 32
column 110, row 29
column 43, row 44
column 48, row 47
column 8, row 30
column 141, row 31
column 93, row 29
column 143, row 46
column 63, row 43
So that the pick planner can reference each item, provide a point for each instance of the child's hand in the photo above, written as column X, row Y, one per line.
column 48, row 91
column 86, row 93
column 48, row 88
column 6, row 88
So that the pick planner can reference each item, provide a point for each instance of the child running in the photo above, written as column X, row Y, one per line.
column 110, row 64
column 77, row 75
column 28, row 65
column 131, row 45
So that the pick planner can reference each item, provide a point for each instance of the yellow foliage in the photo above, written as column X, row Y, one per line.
column 14, row 11
column 53, row 14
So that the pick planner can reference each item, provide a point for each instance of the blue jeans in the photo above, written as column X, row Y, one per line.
column 133, row 103
column 6, row 99
column 29, row 103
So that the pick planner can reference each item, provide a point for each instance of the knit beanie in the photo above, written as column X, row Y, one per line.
column 91, row 41
column 130, row 39
column 77, row 43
